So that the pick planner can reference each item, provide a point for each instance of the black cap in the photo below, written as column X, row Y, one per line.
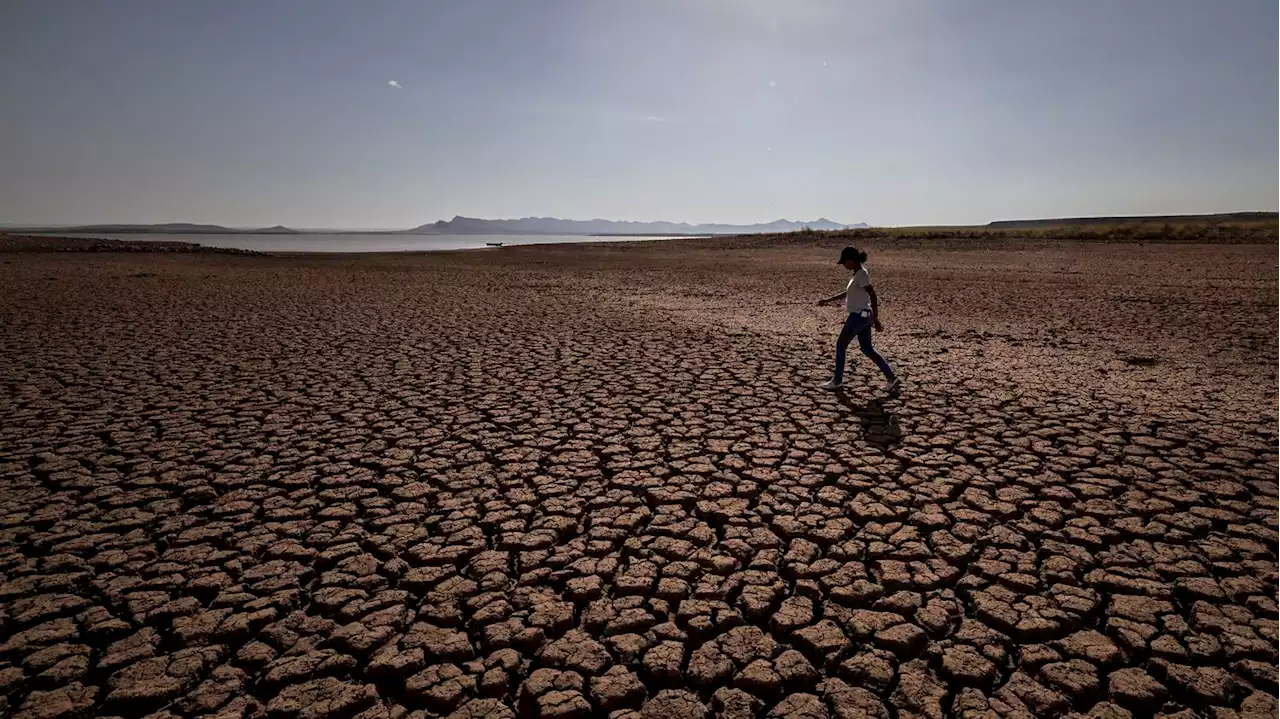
column 851, row 253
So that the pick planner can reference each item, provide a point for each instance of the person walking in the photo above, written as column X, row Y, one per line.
column 862, row 309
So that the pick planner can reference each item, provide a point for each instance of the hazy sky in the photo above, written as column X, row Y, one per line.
column 338, row 113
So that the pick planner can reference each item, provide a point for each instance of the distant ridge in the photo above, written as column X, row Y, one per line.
column 555, row 226
column 1143, row 220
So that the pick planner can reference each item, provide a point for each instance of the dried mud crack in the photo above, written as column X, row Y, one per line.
column 601, row 481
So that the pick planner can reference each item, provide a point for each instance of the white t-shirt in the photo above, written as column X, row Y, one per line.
column 856, row 297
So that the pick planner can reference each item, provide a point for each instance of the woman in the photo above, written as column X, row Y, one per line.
column 863, row 313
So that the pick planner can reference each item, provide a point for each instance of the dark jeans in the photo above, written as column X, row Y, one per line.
column 858, row 325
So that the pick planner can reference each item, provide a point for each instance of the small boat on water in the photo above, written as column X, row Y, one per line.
column 494, row 244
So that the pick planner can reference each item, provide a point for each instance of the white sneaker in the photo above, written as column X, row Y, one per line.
column 893, row 384
column 832, row 384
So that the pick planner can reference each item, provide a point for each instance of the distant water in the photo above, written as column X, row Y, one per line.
column 354, row 242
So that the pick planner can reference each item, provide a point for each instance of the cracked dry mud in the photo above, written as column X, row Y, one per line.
column 599, row 481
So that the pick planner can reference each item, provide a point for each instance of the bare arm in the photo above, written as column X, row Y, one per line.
column 875, row 308
column 832, row 298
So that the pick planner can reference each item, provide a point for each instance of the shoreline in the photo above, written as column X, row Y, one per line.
column 1242, row 233
column 1015, row 240
column 36, row 243
column 24, row 243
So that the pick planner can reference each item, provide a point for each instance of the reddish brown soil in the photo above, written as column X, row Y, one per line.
column 590, row 481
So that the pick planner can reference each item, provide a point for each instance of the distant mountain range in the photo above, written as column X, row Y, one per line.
column 476, row 226
column 556, row 226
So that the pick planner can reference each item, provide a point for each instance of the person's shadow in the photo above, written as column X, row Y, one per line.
column 879, row 426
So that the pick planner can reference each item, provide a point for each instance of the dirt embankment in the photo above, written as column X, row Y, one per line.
column 41, row 243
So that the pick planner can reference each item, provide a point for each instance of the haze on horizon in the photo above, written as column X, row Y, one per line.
column 398, row 113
